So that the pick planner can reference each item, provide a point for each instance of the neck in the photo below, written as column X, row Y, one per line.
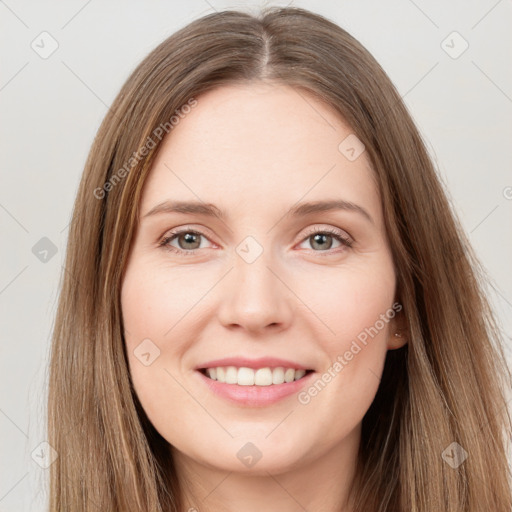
column 320, row 484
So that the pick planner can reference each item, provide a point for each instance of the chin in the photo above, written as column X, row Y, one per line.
column 254, row 455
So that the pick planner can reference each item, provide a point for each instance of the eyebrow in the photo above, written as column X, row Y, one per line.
column 300, row 210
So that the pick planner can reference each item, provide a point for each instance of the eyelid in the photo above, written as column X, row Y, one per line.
column 338, row 234
column 172, row 234
column 328, row 229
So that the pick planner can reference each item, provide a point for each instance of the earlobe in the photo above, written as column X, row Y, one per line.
column 398, row 328
column 397, row 340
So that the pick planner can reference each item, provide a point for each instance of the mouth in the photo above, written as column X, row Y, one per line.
column 254, row 387
column 244, row 376
column 254, row 382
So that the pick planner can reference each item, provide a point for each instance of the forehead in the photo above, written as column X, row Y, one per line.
column 259, row 144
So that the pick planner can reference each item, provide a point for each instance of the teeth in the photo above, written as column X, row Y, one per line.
column 262, row 377
column 248, row 377
column 231, row 375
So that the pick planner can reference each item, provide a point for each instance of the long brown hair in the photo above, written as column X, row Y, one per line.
column 445, row 386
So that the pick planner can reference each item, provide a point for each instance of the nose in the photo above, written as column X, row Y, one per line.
column 255, row 297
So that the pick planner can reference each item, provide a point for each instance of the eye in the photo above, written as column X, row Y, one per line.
column 187, row 239
column 322, row 239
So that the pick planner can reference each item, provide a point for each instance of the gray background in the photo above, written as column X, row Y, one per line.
column 51, row 108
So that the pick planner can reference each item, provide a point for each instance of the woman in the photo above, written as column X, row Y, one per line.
column 268, row 302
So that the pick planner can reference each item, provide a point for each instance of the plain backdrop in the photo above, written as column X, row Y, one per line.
column 62, row 64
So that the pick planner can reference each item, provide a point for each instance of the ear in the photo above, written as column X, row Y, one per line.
column 397, row 331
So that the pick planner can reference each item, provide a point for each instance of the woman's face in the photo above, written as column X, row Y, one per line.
column 267, row 283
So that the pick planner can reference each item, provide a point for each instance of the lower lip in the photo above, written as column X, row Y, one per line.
column 255, row 396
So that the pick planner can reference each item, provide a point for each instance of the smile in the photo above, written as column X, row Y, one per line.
column 258, row 387
column 244, row 376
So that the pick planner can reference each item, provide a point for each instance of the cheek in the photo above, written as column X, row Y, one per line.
column 356, row 307
column 351, row 301
column 158, row 317
column 147, row 315
column 155, row 299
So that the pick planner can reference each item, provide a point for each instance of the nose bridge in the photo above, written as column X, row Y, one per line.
column 255, row 297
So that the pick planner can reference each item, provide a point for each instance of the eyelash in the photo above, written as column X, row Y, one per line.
column 345, row 241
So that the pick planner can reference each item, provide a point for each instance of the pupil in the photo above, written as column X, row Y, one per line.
column 190, row 238
column 320, row 238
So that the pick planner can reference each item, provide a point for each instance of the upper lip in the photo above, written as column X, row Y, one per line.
column 262, row 362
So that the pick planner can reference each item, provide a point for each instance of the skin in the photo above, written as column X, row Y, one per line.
column 254, row 151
